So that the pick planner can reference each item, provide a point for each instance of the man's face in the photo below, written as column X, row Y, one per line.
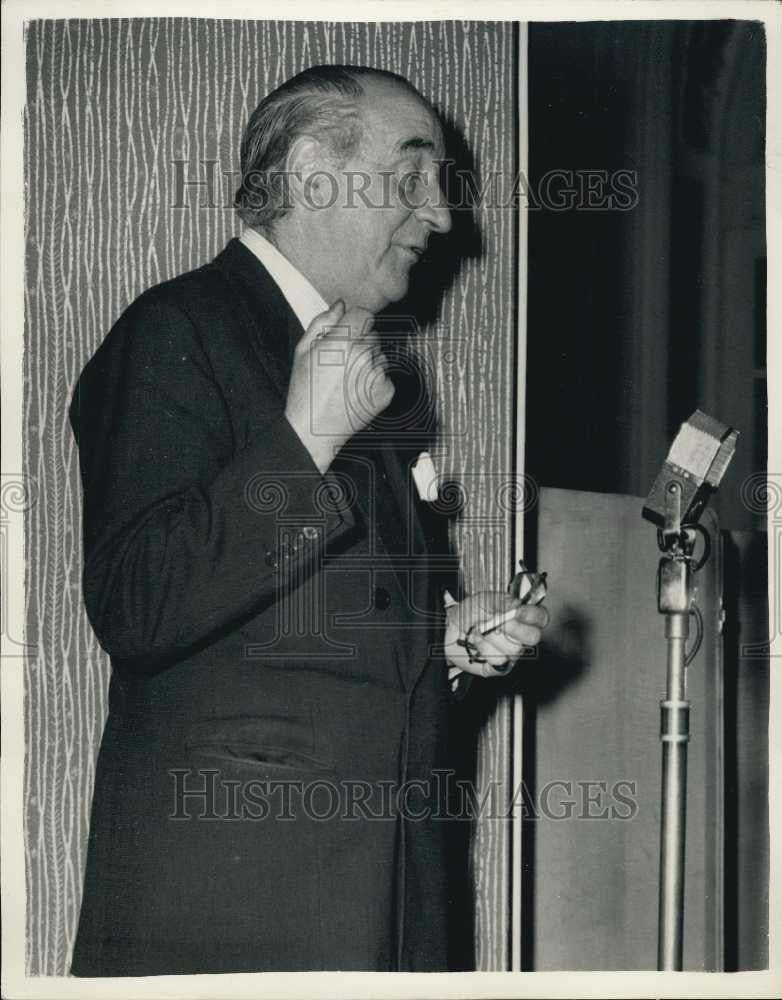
column 389, row 200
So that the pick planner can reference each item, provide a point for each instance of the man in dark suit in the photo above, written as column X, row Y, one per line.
column 257, row 565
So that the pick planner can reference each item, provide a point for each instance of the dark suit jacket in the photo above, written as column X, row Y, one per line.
column 259, row 633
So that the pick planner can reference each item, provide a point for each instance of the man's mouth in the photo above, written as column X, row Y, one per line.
column 413, row 251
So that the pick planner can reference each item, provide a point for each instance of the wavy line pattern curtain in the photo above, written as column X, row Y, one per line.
column 121, row 116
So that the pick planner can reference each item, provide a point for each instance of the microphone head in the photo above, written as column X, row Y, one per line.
column 698, row 459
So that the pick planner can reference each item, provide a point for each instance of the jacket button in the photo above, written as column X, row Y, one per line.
column 382, row 599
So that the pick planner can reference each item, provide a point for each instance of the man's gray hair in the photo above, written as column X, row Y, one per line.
column 322, row 101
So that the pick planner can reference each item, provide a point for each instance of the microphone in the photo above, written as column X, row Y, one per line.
column 696, row 463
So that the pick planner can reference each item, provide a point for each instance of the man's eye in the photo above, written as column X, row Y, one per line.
column 412, row 186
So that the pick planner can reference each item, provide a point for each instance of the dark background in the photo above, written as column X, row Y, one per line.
column 638, row 317
column 635, row 318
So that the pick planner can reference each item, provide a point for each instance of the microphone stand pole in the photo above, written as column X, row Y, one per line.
column 675, row 601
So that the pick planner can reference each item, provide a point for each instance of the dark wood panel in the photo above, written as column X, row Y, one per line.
column 747, row 678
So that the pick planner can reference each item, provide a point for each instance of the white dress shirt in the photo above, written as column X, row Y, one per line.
column 301, row 296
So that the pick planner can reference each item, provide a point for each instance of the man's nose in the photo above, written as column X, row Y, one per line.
column 435, row 212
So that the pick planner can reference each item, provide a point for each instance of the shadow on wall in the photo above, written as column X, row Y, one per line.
column 412, row 416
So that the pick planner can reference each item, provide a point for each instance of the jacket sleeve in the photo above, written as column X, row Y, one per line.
column 448, row 578
column 182, row 532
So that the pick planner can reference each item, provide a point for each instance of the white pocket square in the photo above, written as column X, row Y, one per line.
column 425, row 477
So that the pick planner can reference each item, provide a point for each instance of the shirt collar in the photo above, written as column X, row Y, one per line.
column 302, row 297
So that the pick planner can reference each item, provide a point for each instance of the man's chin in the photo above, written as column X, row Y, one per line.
column 378, row 302
column 394, row 291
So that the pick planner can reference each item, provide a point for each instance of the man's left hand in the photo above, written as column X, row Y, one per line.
column 499, row 647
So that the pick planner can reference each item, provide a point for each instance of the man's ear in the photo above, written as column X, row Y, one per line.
column 312, row 185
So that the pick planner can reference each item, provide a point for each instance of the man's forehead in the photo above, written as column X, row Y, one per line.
column 399, row 120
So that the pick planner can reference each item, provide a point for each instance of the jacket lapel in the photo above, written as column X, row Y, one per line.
column 402, row 490
column 414, row 570
column 266, row 310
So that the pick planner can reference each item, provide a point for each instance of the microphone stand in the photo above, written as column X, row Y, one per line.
column 675, row 595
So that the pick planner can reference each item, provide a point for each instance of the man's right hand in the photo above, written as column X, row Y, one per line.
column 339, row 382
